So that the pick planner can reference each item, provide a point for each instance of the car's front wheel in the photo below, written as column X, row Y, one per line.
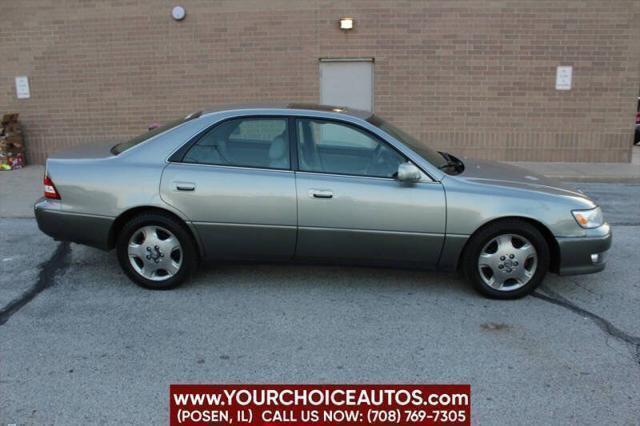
column 506, row 259
column 156, row 251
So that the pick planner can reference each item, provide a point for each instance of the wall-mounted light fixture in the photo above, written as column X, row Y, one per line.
column 346, row 24
column 178, row 13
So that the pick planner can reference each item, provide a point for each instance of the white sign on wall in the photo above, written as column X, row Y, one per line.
column 22, row 87
column 563, row 78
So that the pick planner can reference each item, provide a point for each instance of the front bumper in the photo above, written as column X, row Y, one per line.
column 85, row 229
column 584, row 255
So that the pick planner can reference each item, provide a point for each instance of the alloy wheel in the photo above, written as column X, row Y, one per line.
column 155, row 253
column 507, row 262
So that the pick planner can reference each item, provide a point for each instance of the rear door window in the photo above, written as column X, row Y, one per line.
column 244, row 142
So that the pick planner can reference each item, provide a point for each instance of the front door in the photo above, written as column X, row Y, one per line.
column 350, row 207
column 237, row 187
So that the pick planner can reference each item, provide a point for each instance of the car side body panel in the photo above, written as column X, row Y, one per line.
column 376, row 219
column 473, row 203
column 237, row 212
column 97, row 187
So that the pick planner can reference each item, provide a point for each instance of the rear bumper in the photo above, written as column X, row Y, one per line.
column 585, row 255
column 85, row 229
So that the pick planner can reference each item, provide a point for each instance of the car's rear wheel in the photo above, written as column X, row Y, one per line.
column 156, row 251
column 506, row 259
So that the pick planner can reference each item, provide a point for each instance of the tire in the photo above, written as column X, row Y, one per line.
column 156, row 251
column 507, row 259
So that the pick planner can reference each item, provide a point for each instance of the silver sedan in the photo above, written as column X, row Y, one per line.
column 315, row 183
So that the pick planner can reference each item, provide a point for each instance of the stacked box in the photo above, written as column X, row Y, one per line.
column 11, row 143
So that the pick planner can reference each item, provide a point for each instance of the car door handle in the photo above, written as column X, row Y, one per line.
column 321, row 193
column 185, row 186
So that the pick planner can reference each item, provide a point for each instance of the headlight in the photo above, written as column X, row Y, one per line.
column 589, row 218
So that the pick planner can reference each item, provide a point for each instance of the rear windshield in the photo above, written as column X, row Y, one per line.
column 122, row 147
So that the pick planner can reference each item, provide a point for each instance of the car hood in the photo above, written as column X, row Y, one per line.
column 502, row 174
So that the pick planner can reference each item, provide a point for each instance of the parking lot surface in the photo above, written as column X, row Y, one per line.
column 79, row 343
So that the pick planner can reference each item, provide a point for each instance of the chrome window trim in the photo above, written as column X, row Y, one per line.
column 248, row 168
column 366, row 177
column 216, row 117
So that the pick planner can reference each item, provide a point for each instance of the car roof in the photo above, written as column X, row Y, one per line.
column 290, row 106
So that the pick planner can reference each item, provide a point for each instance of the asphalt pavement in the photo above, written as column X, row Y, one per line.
column 79, row 343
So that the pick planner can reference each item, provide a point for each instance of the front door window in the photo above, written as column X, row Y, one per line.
column 337, row 148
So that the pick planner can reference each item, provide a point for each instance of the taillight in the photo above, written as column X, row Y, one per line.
column 50, row 190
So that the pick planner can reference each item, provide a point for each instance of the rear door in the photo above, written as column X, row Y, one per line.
column 350, row 206
column 237, row 187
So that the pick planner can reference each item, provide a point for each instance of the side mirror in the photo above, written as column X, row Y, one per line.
column 407, row 172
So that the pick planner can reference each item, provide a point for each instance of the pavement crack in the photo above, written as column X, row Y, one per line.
column 587, row 289
column 604, row 324
column 55, row 265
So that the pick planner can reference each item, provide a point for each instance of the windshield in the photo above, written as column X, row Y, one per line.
column 433, row 157
column 121, row 147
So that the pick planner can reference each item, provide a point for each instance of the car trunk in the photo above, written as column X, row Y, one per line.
column 85, row 151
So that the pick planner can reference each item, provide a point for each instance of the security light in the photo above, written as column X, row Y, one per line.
column 346, row 24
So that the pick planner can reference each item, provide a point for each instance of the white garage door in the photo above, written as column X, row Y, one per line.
column 347, row 83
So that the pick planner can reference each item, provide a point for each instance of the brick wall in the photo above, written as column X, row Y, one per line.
column 470, row 76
